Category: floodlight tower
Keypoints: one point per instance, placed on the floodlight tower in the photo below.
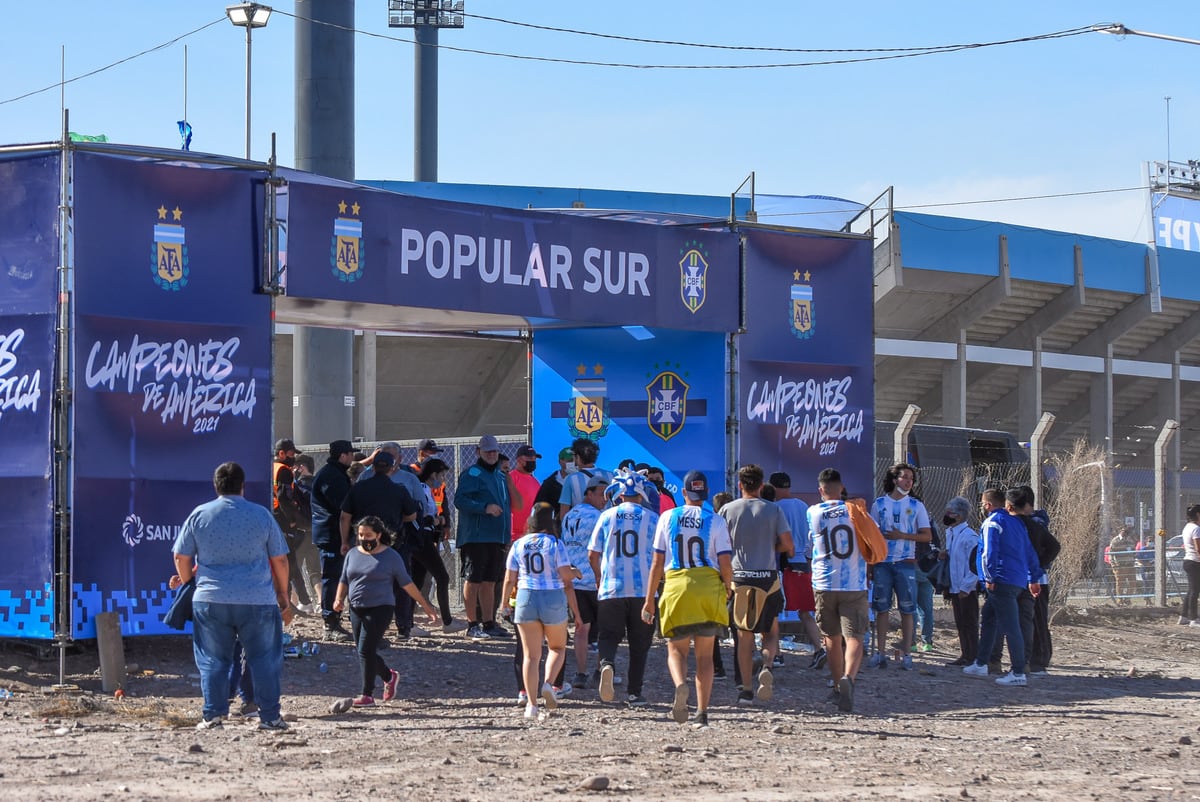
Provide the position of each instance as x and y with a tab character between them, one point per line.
426	18
248	16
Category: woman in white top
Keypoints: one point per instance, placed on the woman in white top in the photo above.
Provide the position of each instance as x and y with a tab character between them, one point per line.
541	573
1191	566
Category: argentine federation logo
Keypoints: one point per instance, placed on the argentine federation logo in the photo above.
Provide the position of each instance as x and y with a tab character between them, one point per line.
667	404
587	411
346	249
802	306
132	530
693	272
169	260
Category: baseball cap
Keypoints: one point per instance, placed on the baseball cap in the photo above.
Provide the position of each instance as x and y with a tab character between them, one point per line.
596	481
527	451
695	486
384	459
429	445
339	447
285	444
780	479
488	443
566	454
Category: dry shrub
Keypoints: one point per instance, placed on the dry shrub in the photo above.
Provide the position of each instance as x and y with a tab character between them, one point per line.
70	706
1076	517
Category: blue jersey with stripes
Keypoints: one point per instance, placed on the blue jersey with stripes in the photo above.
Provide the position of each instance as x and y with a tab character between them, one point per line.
837	562
691	537
577	530
623	536
906	515
536	558
575	485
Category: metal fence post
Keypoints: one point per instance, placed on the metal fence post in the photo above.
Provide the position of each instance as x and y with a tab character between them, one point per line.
1036	441
1160	499
900	443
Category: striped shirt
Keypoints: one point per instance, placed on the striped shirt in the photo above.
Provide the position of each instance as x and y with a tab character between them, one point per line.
574	486
623	537
577	530
536	558
837	563
906	515
691	537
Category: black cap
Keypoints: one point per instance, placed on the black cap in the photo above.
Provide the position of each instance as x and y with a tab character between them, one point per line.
527	451
339	447
429	445
695	486
284	444
383	459
780	479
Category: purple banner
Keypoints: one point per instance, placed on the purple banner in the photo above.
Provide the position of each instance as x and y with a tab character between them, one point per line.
29	256
806	361
172	370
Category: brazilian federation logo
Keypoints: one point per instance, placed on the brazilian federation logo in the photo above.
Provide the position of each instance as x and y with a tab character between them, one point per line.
346	249
667	407
802	306
587	411
169	257
693	272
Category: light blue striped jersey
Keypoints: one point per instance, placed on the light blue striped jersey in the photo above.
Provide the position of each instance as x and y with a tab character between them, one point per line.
837	562
691	537
536	558
623	536
577	530
907	515
575	485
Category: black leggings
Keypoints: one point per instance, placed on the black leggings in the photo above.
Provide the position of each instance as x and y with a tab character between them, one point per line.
368	625
427	561
1192	569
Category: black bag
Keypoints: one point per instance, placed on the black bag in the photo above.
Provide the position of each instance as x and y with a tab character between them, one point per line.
939	576
180	611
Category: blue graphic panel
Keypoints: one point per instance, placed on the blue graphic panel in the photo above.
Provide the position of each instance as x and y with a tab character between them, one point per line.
651	395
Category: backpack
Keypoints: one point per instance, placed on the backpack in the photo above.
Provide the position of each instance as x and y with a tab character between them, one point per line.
870	540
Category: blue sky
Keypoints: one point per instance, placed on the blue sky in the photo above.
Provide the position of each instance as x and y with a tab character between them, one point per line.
1071	115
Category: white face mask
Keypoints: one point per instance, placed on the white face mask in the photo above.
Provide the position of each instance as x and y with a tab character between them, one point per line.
901	491
570	469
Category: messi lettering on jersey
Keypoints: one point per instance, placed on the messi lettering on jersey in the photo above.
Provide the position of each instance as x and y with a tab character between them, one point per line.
623	537
691	537
837	563
536	558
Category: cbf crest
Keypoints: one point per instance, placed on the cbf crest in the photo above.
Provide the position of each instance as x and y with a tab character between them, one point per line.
346	249
169	259
693	276
587	411
666	404
802	306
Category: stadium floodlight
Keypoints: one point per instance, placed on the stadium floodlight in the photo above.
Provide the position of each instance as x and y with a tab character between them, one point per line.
248	16
425	13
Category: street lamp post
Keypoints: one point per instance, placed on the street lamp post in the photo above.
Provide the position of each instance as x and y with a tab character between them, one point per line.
248	16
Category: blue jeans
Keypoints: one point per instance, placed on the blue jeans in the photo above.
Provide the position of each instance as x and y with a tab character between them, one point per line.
215	629
898	578
1001	616
240	682
925	605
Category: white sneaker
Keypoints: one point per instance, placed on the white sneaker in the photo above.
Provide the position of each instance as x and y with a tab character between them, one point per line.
548	697
1011	679
454	626
975	670
563	691
1195	623
307	609
606	683
531	712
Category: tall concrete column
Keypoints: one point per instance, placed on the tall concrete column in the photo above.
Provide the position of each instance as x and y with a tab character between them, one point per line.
1101	403
954	386
1029	390
322	359
1169	404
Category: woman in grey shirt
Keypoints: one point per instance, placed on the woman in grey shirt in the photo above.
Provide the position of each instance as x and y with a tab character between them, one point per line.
371	573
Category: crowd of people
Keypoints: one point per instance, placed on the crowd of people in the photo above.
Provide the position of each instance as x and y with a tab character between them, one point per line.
615	553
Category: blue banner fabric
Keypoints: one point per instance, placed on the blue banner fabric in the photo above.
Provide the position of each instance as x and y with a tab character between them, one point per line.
29	257
359	245
806	360
1176	222
651	395
172	370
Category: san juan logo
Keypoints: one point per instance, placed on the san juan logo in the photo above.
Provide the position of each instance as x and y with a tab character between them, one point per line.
346	249
587	411
802	306
169	260
666	408
693	272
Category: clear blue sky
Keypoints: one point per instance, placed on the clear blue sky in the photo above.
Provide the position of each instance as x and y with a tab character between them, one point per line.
1069	115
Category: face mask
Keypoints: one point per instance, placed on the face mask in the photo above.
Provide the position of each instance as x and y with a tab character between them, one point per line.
949	520
901	491
530	466
368	545
288	461
570	469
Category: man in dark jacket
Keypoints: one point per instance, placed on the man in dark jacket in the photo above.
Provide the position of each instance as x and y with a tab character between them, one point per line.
330	485
1038	648
484	523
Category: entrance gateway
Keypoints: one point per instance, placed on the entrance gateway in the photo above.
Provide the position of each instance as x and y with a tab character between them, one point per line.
135	344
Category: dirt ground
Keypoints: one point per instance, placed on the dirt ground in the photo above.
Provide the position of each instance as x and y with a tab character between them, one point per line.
1119	718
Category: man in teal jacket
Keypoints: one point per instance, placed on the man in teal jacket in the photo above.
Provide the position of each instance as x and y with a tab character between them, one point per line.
481	498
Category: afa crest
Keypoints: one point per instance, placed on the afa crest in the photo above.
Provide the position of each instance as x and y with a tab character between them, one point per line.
666	409
801	319
693	277
169	257
346	249
587	411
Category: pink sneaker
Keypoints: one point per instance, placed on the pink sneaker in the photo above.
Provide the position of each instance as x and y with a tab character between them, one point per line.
389	687
363	701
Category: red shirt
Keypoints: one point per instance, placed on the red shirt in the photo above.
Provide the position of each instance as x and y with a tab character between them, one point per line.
526	486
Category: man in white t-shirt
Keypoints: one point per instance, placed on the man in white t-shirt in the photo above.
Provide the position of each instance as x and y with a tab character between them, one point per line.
904	522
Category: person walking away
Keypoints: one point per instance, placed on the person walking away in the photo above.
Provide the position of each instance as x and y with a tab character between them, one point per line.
577	530
1191	567
431	531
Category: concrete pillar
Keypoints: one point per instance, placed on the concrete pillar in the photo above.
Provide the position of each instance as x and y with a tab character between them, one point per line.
954	386
1169	408
1100	431
1029	391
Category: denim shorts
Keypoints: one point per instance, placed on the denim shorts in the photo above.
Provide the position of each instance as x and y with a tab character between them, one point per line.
898	578
546	606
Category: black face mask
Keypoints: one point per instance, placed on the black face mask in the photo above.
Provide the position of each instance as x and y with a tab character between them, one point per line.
949	520
530	466
368	545
288	461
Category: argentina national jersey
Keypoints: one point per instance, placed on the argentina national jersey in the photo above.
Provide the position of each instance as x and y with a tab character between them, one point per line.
575	485
906	515
536	558
623	536
577	530
837	562
691	537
